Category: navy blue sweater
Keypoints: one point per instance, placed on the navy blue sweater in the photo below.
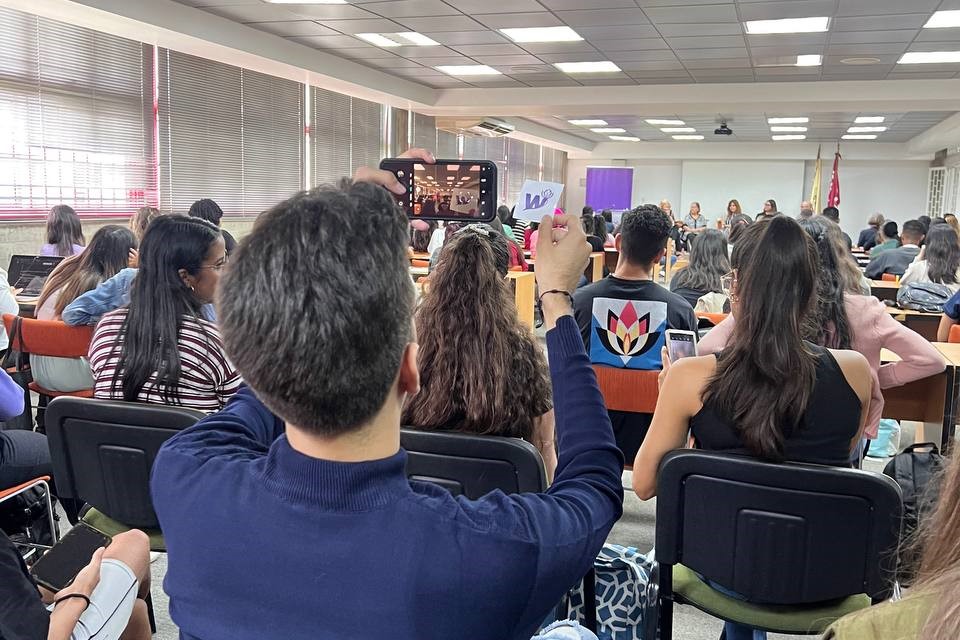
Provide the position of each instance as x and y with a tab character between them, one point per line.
265	542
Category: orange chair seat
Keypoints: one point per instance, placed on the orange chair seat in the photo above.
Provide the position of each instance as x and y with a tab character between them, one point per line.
954	333
12	490
628	389
419	263
888	277
715	318
82	393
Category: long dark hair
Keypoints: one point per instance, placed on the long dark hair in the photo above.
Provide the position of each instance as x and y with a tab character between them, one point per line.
775	264
942	253
738	224
708	263
420	240
64	229
831	327
481	370
107	254
159	300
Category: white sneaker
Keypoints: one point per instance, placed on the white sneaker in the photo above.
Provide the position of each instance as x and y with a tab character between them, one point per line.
153	556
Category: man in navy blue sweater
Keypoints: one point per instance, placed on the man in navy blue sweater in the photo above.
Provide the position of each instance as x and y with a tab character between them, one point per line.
289	515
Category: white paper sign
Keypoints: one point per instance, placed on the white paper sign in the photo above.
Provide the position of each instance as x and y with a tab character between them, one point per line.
537	199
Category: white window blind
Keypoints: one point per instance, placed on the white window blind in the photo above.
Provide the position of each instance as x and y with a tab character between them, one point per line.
226	133
515	169
424	132
447	146
531	161
346	133
75	124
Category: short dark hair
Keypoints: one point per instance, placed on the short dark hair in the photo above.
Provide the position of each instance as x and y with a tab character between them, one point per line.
890	230
914	230
644	232
587	211
925	221
832	213
206	209
608	215
316	306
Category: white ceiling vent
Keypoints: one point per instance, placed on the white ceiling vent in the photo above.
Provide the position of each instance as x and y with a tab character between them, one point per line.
486	127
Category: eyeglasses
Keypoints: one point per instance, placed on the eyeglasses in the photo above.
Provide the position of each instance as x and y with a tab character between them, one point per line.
727	281
218	266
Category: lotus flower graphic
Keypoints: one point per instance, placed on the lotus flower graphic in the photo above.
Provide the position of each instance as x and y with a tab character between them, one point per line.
627	335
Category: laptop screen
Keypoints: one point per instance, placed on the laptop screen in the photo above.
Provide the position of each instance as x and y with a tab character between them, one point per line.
30	272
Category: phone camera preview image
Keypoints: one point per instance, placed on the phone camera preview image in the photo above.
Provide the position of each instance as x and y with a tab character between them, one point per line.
448	190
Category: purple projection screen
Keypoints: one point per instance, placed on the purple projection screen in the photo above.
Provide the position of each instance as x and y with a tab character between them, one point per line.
609	187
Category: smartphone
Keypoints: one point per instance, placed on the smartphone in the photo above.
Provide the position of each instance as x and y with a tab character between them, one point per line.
447	190
59	566
681	344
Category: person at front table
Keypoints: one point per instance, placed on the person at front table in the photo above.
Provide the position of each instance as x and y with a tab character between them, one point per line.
896	261
736	401
938	261
313	450
694	220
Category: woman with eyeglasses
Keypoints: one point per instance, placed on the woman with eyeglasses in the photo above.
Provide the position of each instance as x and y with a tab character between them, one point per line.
481	369
159	348
770	393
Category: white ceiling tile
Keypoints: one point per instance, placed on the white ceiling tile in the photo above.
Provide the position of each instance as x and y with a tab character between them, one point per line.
361	53
603	17
517	70
621	57
706	42
377	25
787	71
857	37
604	82
558	82
293	28
393	64
705	29
444	61
677	3
624	32
786	9
922	75
445	23
572	57
416	52
837	61
537	48
651	65
880	23
493	61
865	50
495	81
929	46
489	49
940	35
471	7
657	73
640	44
568	5
410	8
515	20
329	42
261	13
329	11
787	40
457	38
684	15
880	7
719	63
700	54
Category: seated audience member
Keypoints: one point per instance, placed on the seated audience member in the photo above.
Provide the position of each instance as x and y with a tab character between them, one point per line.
736	401
938	261
889	239
708	264
897	260
421	234
8	304
494	386
141	220
926	221
833	215
623	317
159	349
950	317
846	319
207	209
320	455
505	220
769	210
607	216
735	230
107	255
528	234
105	600
596	237
951	220
868	237
600	230
929	610
64	233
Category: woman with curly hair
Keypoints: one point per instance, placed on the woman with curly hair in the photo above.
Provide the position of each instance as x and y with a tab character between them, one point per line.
481	369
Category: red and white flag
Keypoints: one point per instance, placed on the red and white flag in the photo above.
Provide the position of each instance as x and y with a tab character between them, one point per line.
833	198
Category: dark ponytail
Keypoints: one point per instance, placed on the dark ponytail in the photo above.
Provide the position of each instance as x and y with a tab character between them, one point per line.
830	327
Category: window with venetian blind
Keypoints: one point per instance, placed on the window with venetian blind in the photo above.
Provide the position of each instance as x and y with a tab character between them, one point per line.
345	133
75	124
227	133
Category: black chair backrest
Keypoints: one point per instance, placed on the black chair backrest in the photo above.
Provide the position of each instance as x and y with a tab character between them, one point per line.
103	451
778	533
471	465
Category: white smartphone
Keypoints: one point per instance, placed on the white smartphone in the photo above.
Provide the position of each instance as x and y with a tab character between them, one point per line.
681	344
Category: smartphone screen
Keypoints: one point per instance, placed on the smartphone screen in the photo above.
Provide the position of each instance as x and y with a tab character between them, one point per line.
681	344
59	566
447	190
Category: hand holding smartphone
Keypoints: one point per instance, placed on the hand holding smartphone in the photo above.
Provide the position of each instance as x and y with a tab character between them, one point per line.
447	190
59	567
681	344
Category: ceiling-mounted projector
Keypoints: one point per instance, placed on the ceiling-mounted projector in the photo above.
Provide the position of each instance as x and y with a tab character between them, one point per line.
724	130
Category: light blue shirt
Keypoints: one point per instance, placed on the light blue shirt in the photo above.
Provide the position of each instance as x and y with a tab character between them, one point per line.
111	294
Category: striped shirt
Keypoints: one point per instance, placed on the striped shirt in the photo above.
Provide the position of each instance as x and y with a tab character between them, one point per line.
207	378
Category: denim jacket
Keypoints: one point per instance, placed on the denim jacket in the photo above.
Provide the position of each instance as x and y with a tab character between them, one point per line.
111	294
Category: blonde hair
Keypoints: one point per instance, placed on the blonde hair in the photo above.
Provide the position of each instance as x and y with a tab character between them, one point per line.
141	219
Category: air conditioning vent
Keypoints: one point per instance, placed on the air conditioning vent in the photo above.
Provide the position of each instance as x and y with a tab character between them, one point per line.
486	127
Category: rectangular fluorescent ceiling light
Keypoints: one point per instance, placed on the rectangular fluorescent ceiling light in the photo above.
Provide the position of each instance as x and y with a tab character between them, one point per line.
609	130
790	137
788	120
788	129
542	34
866	129
688	137
787	25
306	1
377	39
809	60
468	70
869	119
678	130
604	66
943	20
418	39
859	137
625	138
588	123
666	123
929	57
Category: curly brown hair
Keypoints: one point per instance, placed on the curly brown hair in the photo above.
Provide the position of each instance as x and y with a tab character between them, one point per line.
481	370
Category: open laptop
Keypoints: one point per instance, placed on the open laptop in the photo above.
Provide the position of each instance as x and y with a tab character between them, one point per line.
30	272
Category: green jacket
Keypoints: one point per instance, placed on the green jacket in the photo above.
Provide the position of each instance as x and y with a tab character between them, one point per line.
900	620
883	246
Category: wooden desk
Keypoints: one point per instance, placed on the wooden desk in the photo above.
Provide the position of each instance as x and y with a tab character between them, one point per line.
28	305
419	271
524	294
594	270
883	290
420	255
932	399
924	323
611	257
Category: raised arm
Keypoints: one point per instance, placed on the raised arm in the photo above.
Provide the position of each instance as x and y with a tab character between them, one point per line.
717	338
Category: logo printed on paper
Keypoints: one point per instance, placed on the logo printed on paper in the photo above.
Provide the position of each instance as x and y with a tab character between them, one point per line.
534	201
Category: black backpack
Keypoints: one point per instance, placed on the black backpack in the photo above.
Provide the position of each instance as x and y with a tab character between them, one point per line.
918	472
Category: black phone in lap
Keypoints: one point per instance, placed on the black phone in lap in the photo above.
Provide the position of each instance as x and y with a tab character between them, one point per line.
61	564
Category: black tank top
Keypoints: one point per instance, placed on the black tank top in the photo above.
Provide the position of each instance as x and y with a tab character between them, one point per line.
826	429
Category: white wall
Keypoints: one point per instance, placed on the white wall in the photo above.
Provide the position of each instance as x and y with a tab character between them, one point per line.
713	183
896	188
